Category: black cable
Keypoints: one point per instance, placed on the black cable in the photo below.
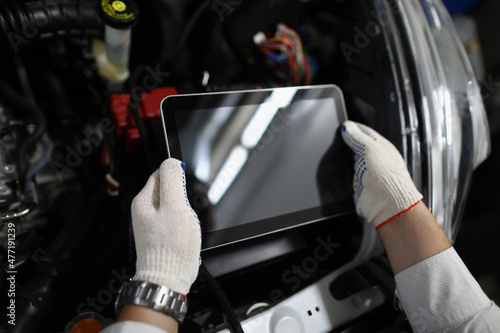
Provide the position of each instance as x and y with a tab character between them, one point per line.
135	100
29	186
73	18
143	134
30	194
165	10
32	111
50	85
189	28
222	299
23	78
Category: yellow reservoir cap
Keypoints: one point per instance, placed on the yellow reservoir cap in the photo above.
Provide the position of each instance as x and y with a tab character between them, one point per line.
119	14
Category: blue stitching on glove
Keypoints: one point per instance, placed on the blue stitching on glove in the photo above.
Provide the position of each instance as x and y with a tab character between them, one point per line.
185	191
183	165
359	150
368	132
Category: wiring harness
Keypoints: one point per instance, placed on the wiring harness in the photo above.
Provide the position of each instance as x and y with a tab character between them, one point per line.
284	53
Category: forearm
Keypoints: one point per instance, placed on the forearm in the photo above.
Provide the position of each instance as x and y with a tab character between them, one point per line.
412	237
437	291
149	316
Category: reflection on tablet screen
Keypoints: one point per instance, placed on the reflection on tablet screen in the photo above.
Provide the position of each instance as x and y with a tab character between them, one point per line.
259	168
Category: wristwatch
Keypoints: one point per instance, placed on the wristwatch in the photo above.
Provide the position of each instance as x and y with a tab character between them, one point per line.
152	296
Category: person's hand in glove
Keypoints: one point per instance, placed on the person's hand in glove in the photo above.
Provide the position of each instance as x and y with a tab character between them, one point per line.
435	288
166	230
386	197
167	237
383	188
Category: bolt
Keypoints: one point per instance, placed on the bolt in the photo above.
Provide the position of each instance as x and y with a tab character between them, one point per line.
9	169
31	128
5	191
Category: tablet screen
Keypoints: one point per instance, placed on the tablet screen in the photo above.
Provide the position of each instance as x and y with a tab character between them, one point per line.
261	161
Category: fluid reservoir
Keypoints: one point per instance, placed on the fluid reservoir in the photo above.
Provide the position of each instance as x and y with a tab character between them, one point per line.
119	16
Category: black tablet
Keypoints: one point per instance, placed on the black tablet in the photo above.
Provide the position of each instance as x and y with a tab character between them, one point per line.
261	161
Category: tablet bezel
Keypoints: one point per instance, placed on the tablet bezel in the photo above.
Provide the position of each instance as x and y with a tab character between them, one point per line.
172	104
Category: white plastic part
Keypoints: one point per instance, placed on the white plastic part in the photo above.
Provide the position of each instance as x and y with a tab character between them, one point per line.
259	37
314	310
105	68
117	45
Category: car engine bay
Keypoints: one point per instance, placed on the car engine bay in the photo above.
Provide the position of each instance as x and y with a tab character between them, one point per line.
78	140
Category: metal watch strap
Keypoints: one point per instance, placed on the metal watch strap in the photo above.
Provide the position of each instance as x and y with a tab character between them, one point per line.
153	296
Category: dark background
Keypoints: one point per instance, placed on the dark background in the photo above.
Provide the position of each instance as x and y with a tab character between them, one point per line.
478	241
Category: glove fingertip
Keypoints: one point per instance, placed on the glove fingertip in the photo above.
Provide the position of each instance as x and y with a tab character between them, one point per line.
352	135
171	166
346	124
173	184
368	131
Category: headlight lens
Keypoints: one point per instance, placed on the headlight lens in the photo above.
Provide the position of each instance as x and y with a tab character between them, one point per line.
451	117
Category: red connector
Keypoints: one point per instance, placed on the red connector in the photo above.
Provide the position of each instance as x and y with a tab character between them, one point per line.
149	110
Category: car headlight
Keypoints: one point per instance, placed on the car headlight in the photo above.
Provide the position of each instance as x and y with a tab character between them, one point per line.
445	128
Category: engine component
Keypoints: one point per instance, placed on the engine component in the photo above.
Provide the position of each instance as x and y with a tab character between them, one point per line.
119	17
148	110
23	22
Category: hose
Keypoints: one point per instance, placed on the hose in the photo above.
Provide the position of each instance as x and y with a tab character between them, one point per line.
28	104
222	299
135	101
36	116
188	29
44	288
30	196
22	23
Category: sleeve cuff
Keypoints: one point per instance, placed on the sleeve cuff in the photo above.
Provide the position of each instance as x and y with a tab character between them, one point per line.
439	293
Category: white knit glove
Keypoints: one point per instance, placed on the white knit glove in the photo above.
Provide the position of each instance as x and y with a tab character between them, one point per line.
166	230
383	188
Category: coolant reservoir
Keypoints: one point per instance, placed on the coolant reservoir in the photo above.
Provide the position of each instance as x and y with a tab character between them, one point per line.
119	16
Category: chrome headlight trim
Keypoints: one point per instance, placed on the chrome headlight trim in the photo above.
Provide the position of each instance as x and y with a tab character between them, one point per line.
454	133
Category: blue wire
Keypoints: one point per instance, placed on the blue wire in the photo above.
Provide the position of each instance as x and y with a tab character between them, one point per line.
276	57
